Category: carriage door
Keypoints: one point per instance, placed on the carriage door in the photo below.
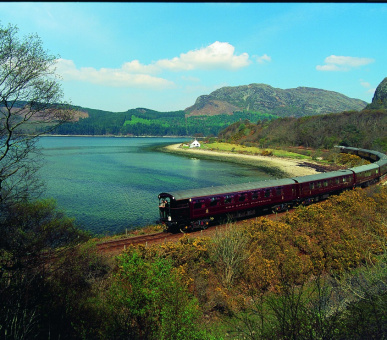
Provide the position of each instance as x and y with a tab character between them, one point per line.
164	207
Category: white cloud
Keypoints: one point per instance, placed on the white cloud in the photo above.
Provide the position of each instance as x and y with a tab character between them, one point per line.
329	67
348	61
219	55
263	59
133	74
365	84
127	76
342	63
135	67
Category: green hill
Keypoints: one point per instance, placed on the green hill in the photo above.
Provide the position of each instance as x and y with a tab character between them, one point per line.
365	129
297	102
144	122
212	113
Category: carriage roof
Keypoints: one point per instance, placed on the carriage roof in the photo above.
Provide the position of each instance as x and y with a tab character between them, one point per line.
226	189
322	176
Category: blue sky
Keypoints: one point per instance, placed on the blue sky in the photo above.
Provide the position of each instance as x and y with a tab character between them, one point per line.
162	56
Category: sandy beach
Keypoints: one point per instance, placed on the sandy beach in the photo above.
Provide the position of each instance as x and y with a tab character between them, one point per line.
288	166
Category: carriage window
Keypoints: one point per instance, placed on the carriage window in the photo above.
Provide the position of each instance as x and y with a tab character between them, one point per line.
337	180
318	184
228	199
311	186
214	201
242	197
267	193
325	183
255	195
199	204
278	191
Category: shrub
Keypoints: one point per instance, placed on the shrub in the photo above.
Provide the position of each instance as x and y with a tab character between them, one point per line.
149	299
267	153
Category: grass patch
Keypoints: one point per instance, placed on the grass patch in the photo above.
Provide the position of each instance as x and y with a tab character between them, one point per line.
252	150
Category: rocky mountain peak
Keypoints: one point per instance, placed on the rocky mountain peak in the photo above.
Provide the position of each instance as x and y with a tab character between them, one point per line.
379	101
300	101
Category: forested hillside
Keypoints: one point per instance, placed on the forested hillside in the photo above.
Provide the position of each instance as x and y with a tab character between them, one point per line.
212	113
144	122
366	129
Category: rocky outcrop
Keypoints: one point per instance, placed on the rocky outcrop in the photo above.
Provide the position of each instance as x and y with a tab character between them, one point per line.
300	101
379	101
211	107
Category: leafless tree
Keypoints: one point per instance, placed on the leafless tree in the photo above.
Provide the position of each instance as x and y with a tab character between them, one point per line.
30	105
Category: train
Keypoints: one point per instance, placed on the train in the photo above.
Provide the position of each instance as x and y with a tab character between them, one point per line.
192	209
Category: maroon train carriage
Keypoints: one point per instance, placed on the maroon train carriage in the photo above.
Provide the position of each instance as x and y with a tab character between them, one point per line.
197	208
382	163
370	155
382	168
314	188
380	155
366	175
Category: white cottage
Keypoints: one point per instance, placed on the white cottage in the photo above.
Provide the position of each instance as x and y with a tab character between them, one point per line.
195	144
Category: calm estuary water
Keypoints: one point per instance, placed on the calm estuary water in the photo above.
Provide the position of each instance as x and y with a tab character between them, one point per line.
109	184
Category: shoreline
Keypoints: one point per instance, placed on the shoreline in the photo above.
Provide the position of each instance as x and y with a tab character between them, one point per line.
276	166
110	136
286	167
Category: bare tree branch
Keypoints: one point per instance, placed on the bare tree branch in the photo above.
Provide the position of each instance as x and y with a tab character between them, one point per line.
30	105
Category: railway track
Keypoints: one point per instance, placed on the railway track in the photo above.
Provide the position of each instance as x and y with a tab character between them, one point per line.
120	245
117	246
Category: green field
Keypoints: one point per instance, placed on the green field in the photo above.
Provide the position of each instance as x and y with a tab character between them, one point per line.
252	150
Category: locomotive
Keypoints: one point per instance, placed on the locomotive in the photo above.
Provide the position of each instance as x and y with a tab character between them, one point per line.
187	210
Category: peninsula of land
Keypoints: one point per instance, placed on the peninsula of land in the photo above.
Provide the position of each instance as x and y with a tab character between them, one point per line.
283	167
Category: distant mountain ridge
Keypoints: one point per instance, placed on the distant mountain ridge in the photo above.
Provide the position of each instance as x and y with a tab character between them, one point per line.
214	112
297	102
